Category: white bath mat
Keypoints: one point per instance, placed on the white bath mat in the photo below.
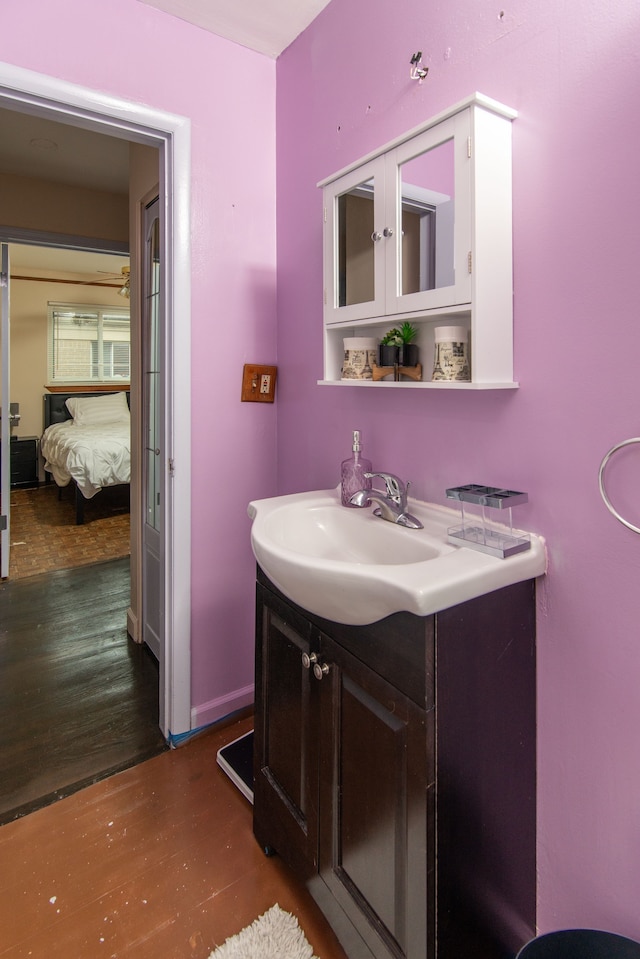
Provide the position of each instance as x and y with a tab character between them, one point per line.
275	935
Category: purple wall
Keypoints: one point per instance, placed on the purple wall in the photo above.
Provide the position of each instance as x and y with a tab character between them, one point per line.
229	94
571	70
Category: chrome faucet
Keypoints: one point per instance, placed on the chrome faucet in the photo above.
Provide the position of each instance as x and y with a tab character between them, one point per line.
392	503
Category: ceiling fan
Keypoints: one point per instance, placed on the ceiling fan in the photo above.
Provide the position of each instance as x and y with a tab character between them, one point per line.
102	278
123	277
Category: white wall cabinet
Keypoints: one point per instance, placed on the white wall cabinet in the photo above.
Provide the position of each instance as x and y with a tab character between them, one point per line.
421	230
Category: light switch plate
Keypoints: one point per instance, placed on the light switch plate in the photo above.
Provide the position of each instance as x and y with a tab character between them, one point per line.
258	383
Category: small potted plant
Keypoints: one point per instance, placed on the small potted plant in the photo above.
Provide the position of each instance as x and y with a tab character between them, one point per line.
389	347
397	346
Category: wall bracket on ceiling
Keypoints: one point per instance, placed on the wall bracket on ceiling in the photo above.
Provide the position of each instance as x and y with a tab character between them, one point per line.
417	72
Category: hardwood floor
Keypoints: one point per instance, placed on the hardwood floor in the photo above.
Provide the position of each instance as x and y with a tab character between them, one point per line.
156	862
78	699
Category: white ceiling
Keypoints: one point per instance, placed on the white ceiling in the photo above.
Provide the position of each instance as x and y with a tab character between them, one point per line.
268	26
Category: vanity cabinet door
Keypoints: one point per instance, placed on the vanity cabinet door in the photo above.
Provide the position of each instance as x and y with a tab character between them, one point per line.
285	759
377	799
345	772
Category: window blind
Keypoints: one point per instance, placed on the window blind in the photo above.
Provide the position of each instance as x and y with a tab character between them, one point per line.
88	344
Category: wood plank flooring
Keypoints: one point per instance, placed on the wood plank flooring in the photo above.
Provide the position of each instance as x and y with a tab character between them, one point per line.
78	699
156	862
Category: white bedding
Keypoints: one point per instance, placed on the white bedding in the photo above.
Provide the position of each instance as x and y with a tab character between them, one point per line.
93	456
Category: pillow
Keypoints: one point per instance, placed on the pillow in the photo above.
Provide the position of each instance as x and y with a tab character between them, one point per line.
98	410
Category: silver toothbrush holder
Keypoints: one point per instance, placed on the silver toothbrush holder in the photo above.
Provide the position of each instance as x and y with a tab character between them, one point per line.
484	510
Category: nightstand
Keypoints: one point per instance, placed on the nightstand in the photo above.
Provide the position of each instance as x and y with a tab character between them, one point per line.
24	460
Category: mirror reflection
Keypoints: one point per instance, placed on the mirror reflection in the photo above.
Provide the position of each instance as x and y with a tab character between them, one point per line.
427	199
355	246
425	204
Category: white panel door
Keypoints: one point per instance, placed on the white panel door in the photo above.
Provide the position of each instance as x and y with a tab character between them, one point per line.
152	482
5	422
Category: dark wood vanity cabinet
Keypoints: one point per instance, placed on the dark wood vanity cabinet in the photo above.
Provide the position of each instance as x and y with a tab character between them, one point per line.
376	780
286	730
394	771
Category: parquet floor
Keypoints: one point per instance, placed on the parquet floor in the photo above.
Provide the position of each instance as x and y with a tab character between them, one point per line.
44	536
157	862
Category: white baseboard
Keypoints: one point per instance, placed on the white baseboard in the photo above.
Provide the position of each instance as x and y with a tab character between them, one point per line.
216	709
132	625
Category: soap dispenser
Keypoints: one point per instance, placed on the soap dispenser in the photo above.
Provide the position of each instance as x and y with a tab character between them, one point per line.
352	472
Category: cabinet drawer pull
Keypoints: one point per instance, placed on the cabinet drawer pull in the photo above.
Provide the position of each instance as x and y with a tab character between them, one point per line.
320	670
308	659
387	231
376	236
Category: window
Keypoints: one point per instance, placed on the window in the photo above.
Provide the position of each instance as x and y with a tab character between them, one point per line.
88	344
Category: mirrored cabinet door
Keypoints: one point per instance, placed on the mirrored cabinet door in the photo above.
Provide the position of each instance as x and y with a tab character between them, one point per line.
398	229
354	277
429	208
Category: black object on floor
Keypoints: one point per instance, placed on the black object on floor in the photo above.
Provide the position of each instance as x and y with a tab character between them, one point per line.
580	944
236	760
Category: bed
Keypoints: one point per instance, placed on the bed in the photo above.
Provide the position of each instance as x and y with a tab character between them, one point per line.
87	441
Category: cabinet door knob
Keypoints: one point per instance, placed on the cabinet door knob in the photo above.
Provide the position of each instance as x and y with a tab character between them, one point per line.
387	231
376	236
320	670
308	659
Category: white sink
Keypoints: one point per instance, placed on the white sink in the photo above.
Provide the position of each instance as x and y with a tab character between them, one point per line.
352	567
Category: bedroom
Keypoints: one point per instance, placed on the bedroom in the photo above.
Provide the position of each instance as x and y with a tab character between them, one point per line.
61	185
58	294
66	188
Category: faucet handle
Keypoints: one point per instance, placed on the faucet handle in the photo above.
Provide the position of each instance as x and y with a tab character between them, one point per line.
396	490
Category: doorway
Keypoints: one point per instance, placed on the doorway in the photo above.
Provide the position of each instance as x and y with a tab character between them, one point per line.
51	98
43	280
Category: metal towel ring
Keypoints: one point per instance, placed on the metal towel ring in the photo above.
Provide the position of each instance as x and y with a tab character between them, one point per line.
603	491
